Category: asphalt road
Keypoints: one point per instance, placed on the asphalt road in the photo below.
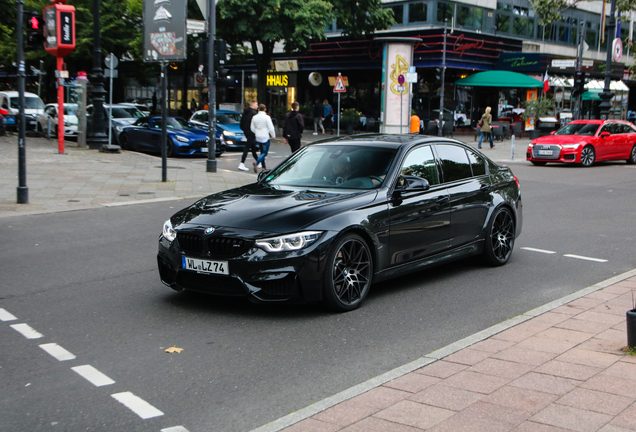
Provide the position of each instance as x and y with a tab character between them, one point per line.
87	281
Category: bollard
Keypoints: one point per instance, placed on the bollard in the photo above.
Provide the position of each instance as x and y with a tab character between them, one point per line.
631	328
512	147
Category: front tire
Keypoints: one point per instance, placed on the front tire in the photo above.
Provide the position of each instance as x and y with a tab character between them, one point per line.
632	156
349	274
588	156
500	239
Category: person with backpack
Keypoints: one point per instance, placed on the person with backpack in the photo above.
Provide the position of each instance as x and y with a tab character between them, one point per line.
293	127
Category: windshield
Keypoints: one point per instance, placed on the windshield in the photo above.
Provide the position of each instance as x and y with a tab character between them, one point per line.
228	118
172	123
125	112
29	103
350	167
578	129
70	109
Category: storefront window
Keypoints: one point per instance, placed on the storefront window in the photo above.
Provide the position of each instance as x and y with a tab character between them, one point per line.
418	12
444	12
398	13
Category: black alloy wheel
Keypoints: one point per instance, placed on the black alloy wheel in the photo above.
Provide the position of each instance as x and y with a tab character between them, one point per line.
349	273
169	148
632	156
501	238
588	156
538	163
124	143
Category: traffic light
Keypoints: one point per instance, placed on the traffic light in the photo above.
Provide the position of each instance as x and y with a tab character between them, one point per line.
34	31
579	84
204	54
220	57
438	74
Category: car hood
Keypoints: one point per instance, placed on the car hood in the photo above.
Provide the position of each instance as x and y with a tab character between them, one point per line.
123	121
562	139
231	128
193	134
269	210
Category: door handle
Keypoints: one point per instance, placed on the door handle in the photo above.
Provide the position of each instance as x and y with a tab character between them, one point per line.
484	187
442	199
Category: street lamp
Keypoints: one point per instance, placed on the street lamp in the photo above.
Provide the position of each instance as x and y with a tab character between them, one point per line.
607	95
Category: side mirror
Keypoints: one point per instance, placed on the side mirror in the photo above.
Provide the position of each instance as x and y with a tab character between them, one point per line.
412	183
262	175
605	134
552	133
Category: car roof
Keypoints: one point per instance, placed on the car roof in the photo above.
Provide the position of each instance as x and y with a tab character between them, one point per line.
13	93
386	140
597	121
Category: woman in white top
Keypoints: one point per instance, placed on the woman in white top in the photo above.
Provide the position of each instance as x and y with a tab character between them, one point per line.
263	128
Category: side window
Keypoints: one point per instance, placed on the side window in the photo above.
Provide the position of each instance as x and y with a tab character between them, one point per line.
455	164
606	128
477	164
421	163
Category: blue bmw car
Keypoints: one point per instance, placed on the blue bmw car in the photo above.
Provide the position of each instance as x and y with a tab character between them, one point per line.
183	138
228	127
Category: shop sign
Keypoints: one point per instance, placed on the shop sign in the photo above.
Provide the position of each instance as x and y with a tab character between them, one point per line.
164	30
333	79
286	65
461	45
520	62
280	80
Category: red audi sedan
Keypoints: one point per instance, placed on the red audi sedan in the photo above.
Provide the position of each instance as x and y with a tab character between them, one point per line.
585	142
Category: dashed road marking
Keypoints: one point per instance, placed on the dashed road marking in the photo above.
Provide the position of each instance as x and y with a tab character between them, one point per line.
538	250
585	258
57	351
6	316
27	331
137	405
94	376
175	429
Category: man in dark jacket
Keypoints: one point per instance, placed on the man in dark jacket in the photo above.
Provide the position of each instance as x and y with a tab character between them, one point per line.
246	122
319	116
293	127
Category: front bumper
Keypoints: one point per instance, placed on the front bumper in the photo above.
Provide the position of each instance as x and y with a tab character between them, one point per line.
553	153
259	276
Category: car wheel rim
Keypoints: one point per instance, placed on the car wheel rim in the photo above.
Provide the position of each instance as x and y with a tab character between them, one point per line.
633	154
351	273
502	236
587	156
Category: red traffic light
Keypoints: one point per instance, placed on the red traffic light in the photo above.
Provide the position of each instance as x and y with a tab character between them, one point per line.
35	23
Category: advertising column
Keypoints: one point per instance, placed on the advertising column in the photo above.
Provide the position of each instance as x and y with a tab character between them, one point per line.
396	92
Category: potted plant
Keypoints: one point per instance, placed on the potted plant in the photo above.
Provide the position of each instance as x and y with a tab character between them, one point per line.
350	118
535	109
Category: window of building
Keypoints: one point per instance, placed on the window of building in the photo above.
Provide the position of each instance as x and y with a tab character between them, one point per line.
523	26
465	16
502	23
398	13
504	6
444	12
418	12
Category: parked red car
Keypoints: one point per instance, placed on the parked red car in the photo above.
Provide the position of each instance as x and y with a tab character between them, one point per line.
585	142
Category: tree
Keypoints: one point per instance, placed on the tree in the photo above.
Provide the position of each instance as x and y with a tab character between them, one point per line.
263	23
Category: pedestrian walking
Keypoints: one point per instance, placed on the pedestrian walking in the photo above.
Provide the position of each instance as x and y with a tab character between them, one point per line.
328	114
319	116
293	127
246	127
263	129
486	127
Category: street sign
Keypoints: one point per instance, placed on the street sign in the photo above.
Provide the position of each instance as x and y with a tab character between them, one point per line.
400	88
111	73
617	49
111	61
411	77
564	63
339	87
196	26
165	35
401	79
411	69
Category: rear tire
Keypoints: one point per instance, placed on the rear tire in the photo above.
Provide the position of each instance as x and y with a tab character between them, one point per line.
348	274
170	148
538	163
632	156
588	156
500	239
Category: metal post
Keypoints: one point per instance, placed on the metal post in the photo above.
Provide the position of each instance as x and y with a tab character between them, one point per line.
40	77
164	115
23	191
110	99
338	113
60	105
512	147
607	95
441	93
579	61
211	162
97	137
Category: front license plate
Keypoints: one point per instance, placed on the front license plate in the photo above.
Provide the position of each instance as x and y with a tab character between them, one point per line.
204	266
204	149
243	139
545	152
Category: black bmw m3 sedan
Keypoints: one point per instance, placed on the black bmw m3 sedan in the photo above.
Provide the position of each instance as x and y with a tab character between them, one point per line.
341	214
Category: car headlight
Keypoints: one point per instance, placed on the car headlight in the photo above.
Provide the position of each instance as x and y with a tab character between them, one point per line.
182	139
530	145
572	146
119	128
289	242
168	232
228	133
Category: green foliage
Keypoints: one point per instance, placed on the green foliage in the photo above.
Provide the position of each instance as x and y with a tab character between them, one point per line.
350	116
361	18
537	108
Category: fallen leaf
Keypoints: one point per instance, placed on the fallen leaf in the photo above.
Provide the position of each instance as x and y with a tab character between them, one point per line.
174	349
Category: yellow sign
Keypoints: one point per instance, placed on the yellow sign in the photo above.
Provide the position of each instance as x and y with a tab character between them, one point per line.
332	81
277	80
399	68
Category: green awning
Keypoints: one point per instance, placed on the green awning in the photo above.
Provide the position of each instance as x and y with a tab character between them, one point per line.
592	95
499	79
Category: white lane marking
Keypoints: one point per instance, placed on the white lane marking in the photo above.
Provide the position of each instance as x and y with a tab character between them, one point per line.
91	374
137	405
27	331
175	429
6	316
57	351
538	250
585	258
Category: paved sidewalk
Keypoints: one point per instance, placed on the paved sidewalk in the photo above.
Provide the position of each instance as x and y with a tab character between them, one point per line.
561	367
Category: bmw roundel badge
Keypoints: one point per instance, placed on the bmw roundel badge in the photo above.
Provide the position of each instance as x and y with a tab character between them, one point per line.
209	230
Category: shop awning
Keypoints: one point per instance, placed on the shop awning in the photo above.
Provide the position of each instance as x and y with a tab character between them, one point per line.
591	95
499	79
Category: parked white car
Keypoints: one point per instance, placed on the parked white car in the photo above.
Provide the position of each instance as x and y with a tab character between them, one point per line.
33	106
48	118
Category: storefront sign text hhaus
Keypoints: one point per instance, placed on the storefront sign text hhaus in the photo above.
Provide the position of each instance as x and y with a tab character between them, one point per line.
280	79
